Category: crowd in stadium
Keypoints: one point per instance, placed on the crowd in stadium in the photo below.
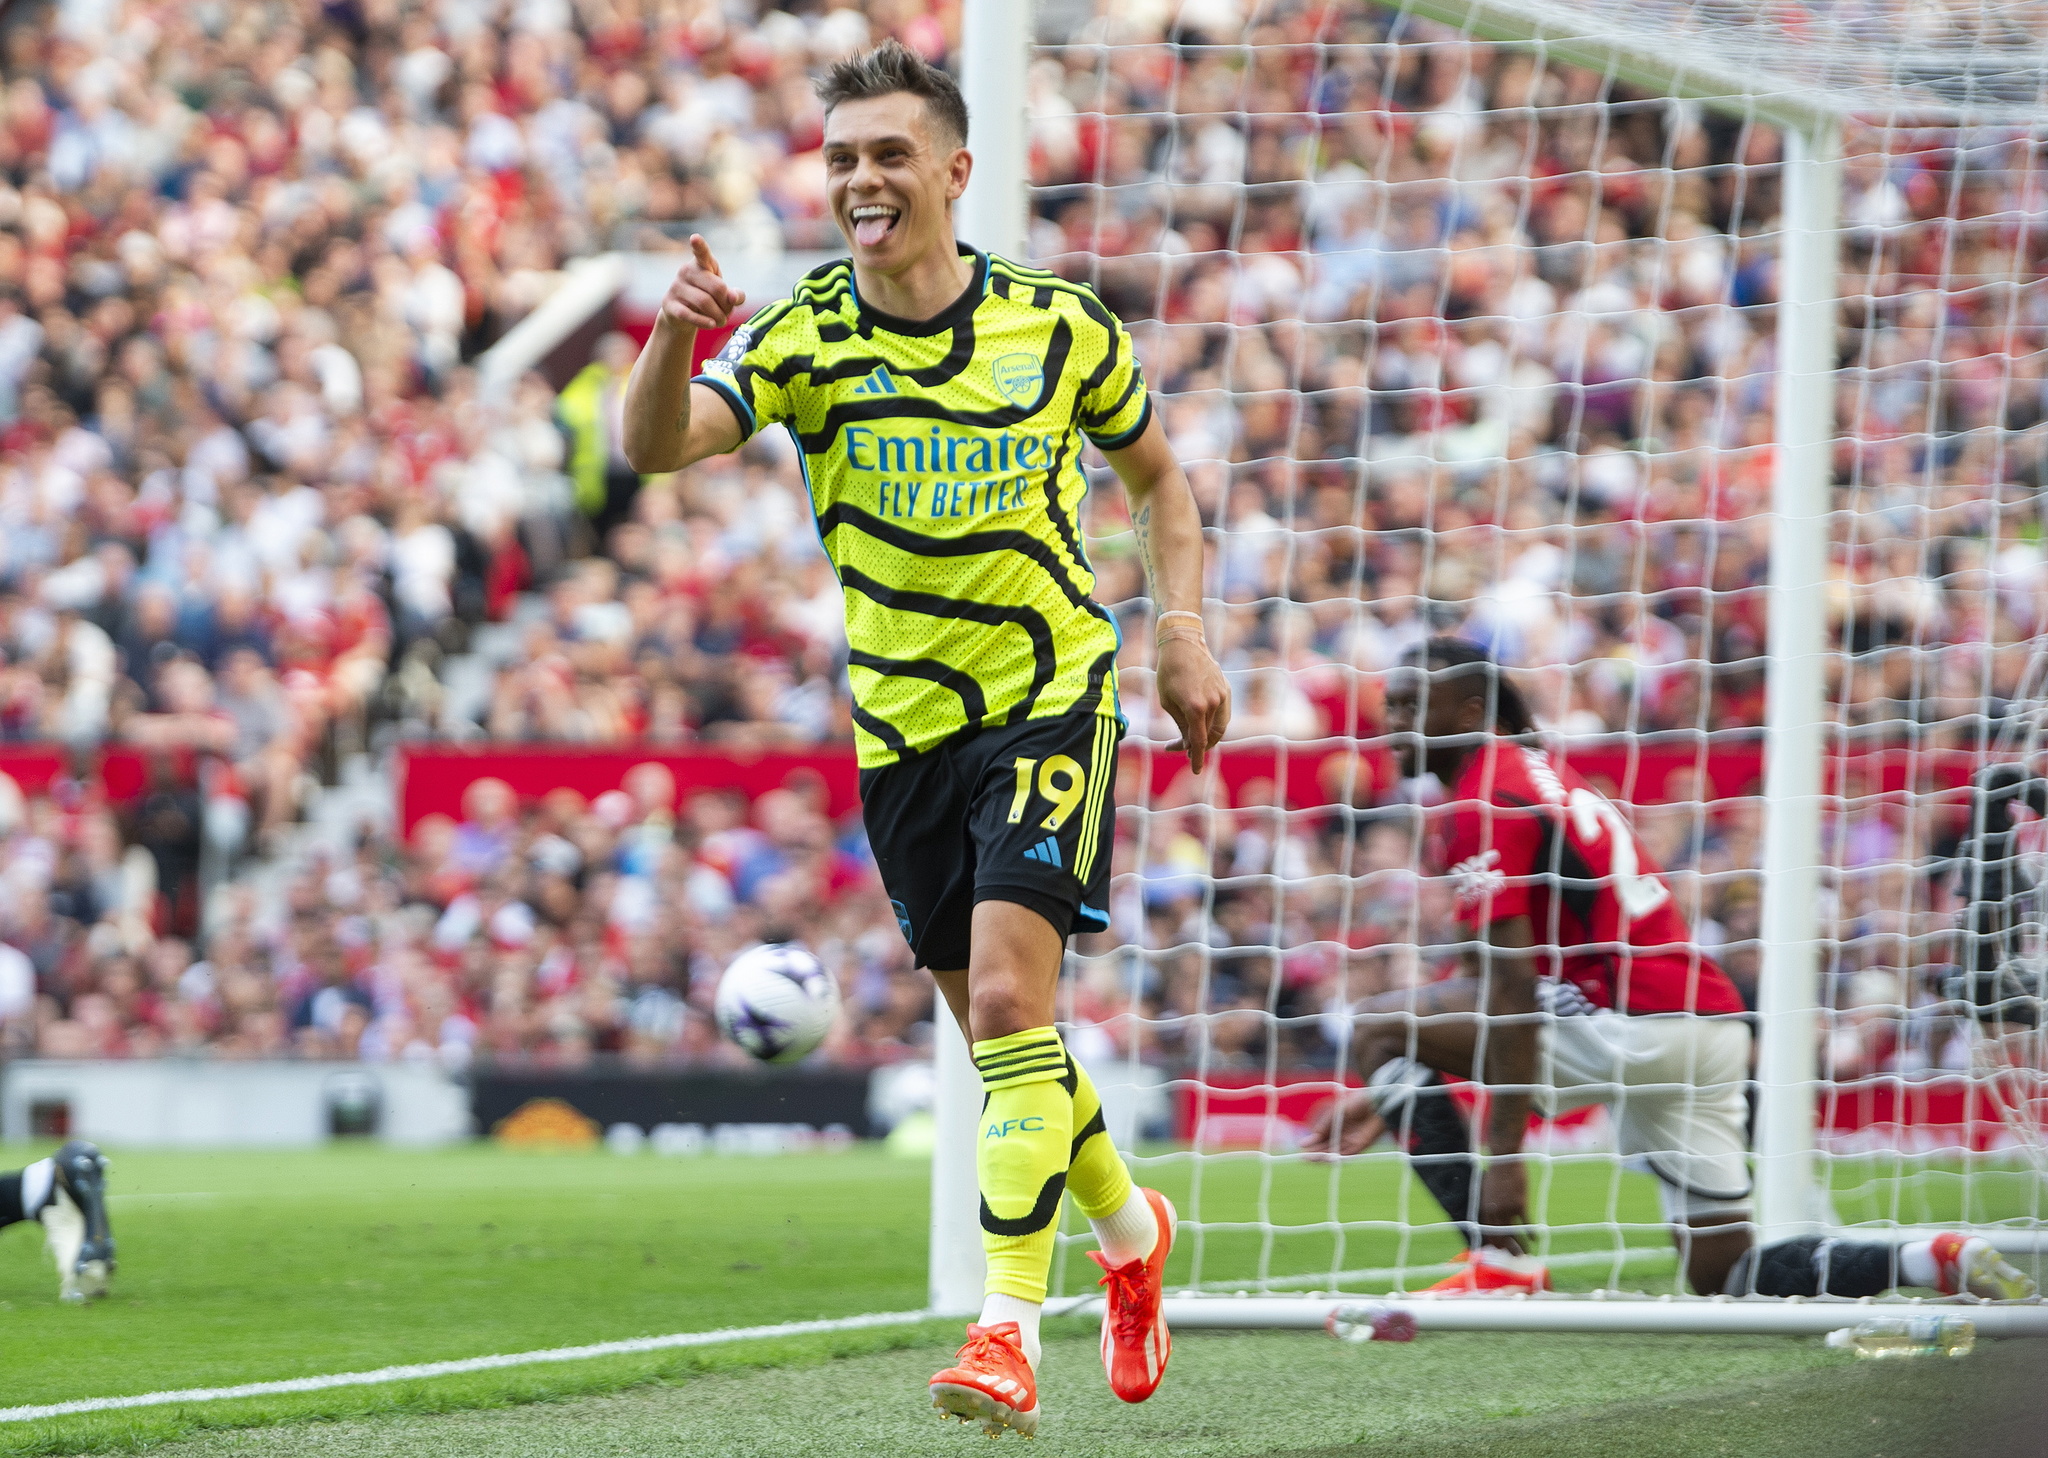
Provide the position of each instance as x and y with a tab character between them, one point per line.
1433	359
561	929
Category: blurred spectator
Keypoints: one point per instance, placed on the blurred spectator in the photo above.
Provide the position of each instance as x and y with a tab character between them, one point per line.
592	409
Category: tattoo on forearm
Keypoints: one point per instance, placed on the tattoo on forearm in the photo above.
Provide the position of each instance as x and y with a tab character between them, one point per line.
1141	522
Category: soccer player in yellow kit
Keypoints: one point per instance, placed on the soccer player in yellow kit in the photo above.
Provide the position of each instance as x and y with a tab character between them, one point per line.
940	398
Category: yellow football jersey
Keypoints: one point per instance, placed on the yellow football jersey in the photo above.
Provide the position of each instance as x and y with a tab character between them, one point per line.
943	459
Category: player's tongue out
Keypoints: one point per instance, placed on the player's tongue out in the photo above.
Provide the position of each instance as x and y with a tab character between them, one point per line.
872	226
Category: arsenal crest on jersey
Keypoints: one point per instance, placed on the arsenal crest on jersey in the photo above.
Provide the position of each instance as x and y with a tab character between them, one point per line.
1019	377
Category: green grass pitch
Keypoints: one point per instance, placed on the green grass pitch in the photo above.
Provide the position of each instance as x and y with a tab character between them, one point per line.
246	1267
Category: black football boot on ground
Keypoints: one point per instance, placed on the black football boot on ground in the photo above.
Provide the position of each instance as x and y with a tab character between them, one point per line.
75	1222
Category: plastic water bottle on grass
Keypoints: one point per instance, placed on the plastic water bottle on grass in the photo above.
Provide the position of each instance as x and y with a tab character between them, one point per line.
1375	1323
1908	1336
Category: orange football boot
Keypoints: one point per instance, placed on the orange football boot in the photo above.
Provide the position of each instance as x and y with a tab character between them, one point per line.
990	1382
1135	1341
1490	1272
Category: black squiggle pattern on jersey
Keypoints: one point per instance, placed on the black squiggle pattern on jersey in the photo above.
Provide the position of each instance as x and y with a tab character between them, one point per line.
967	544
882	729
899	407
956	360
931	670
1045	658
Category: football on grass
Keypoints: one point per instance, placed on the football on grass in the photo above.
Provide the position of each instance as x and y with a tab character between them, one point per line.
777	1002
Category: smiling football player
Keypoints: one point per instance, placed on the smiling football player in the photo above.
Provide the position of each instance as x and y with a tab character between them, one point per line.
941	398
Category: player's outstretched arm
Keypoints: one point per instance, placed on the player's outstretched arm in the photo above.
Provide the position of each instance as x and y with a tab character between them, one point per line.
1506	971
671	423
1190	685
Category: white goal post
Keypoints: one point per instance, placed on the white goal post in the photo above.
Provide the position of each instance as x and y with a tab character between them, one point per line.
1804	85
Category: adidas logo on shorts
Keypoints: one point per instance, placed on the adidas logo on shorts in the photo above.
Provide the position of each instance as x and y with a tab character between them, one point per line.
1048	851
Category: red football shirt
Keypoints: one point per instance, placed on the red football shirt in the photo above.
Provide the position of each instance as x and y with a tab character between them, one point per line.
1529	837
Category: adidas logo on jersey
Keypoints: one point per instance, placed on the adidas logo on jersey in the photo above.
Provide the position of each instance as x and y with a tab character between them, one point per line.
1047	851
877	383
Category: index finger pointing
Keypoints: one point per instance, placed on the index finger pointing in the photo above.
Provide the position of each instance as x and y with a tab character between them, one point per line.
705	259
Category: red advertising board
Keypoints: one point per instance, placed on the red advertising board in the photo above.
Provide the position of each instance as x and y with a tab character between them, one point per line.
31	766
433	778
123	773
1247	1111
1907	1116
1328	772
1922	1116
1301	776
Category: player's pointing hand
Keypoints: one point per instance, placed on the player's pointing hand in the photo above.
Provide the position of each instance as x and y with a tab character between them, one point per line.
700	298
1194	695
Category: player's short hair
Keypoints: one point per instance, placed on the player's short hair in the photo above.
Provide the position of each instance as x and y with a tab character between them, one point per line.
892	67
1471	667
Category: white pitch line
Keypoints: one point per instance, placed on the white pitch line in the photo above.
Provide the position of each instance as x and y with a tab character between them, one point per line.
460	1365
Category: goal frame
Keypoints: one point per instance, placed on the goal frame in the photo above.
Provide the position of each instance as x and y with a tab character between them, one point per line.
1790	1199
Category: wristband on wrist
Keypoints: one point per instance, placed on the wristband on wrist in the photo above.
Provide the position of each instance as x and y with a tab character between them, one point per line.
1191	628
1176	632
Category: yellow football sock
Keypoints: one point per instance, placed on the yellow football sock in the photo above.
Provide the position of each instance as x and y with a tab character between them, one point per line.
1097	1177
1027	1130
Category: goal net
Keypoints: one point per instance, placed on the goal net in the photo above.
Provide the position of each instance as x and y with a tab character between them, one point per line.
1455	334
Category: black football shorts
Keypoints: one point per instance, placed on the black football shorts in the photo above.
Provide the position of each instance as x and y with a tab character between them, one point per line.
1025	813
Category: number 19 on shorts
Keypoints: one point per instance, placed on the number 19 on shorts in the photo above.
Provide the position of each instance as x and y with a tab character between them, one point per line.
1059	779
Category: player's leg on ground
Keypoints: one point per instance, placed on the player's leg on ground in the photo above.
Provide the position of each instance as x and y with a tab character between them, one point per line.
1709	1245
1018	1157
1026	1138
1026	1134
1416	1105
1698	1135
1410	1041
1133	1225
1956	1264
67	1194
1713	1232
24	1192
1814	1265
1027	1126
1025	1141
1675	1088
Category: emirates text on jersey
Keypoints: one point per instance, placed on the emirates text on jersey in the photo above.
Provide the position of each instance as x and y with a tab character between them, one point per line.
942	453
